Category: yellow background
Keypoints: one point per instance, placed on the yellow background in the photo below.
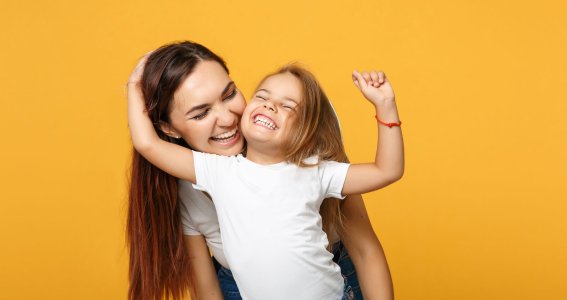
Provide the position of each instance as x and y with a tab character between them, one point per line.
481	86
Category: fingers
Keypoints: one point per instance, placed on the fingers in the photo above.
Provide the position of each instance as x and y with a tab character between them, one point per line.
374	78
381	77
142	61
367	77
359	80
136	74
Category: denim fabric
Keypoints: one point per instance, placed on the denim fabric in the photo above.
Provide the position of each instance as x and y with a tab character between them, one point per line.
352	287
347	292
348	271
227	283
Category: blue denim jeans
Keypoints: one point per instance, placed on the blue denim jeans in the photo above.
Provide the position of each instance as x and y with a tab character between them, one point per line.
348	271
352	287
227	283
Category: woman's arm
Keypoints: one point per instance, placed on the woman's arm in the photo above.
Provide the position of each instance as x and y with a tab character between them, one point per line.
204	281
365	250
388	163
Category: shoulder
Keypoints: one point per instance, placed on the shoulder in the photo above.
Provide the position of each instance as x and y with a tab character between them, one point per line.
322	164
327	167
188	194
213	157
312	160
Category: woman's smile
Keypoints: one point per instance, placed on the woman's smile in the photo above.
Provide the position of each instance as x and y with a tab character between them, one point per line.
228	138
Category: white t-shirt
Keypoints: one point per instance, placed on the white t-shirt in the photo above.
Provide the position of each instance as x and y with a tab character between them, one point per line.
199	217
271	226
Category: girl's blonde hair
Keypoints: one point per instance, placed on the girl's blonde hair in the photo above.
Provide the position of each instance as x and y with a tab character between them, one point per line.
315	132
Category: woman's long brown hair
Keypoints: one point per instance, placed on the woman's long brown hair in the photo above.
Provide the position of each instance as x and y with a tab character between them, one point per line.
159	262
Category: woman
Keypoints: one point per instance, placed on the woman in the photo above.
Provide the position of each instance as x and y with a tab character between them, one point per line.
199	107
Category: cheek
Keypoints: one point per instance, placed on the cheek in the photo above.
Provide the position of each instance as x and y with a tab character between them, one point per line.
247	109
198	133
238	106
290	124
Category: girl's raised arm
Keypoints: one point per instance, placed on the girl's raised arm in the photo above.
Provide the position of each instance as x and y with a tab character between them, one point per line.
171	158
389	162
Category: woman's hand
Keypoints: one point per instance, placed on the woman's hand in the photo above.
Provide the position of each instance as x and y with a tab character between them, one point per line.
374	86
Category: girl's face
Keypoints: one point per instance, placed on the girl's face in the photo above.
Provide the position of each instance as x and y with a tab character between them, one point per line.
267	119
206	111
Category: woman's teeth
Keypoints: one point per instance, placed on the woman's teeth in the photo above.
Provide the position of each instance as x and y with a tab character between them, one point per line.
263	121
225	136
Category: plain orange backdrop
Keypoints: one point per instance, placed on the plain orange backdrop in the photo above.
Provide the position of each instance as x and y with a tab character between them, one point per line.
479	214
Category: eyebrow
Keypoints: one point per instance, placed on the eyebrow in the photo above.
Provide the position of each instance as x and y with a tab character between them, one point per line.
201	106
285	98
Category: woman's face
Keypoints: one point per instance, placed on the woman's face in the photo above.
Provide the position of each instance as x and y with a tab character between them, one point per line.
206	111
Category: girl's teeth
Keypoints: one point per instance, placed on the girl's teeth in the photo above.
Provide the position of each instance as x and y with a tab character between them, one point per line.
264	122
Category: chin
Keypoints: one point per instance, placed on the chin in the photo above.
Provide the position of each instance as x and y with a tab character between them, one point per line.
228	151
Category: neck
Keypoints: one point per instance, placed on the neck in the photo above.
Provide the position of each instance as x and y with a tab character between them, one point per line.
263	157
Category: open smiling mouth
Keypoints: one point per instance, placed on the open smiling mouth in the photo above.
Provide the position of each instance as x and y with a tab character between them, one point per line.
264	121
226	137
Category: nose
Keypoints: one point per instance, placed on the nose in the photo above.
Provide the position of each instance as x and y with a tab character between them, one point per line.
225	117
269	105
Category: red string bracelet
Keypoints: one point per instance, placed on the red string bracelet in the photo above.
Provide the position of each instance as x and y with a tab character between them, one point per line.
390	125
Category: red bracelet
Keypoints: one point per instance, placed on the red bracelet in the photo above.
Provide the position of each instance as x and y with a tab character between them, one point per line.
390	125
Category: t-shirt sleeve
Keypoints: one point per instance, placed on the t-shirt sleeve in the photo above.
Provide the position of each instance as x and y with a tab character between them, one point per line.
205	168
188	225
183	196
333	175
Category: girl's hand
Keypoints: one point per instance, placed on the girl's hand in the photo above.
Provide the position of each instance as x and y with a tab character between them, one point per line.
136	74
374	86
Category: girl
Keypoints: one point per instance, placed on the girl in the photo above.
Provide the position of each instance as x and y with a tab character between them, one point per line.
279	108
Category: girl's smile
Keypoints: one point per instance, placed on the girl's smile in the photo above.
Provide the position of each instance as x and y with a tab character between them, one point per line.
265	121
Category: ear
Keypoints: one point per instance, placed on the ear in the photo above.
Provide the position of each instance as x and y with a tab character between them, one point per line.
168	130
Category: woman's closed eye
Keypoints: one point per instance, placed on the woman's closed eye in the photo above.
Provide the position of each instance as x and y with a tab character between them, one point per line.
205	112
201	115
231	95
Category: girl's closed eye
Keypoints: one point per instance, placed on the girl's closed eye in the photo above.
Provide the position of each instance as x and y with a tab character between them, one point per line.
288	107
